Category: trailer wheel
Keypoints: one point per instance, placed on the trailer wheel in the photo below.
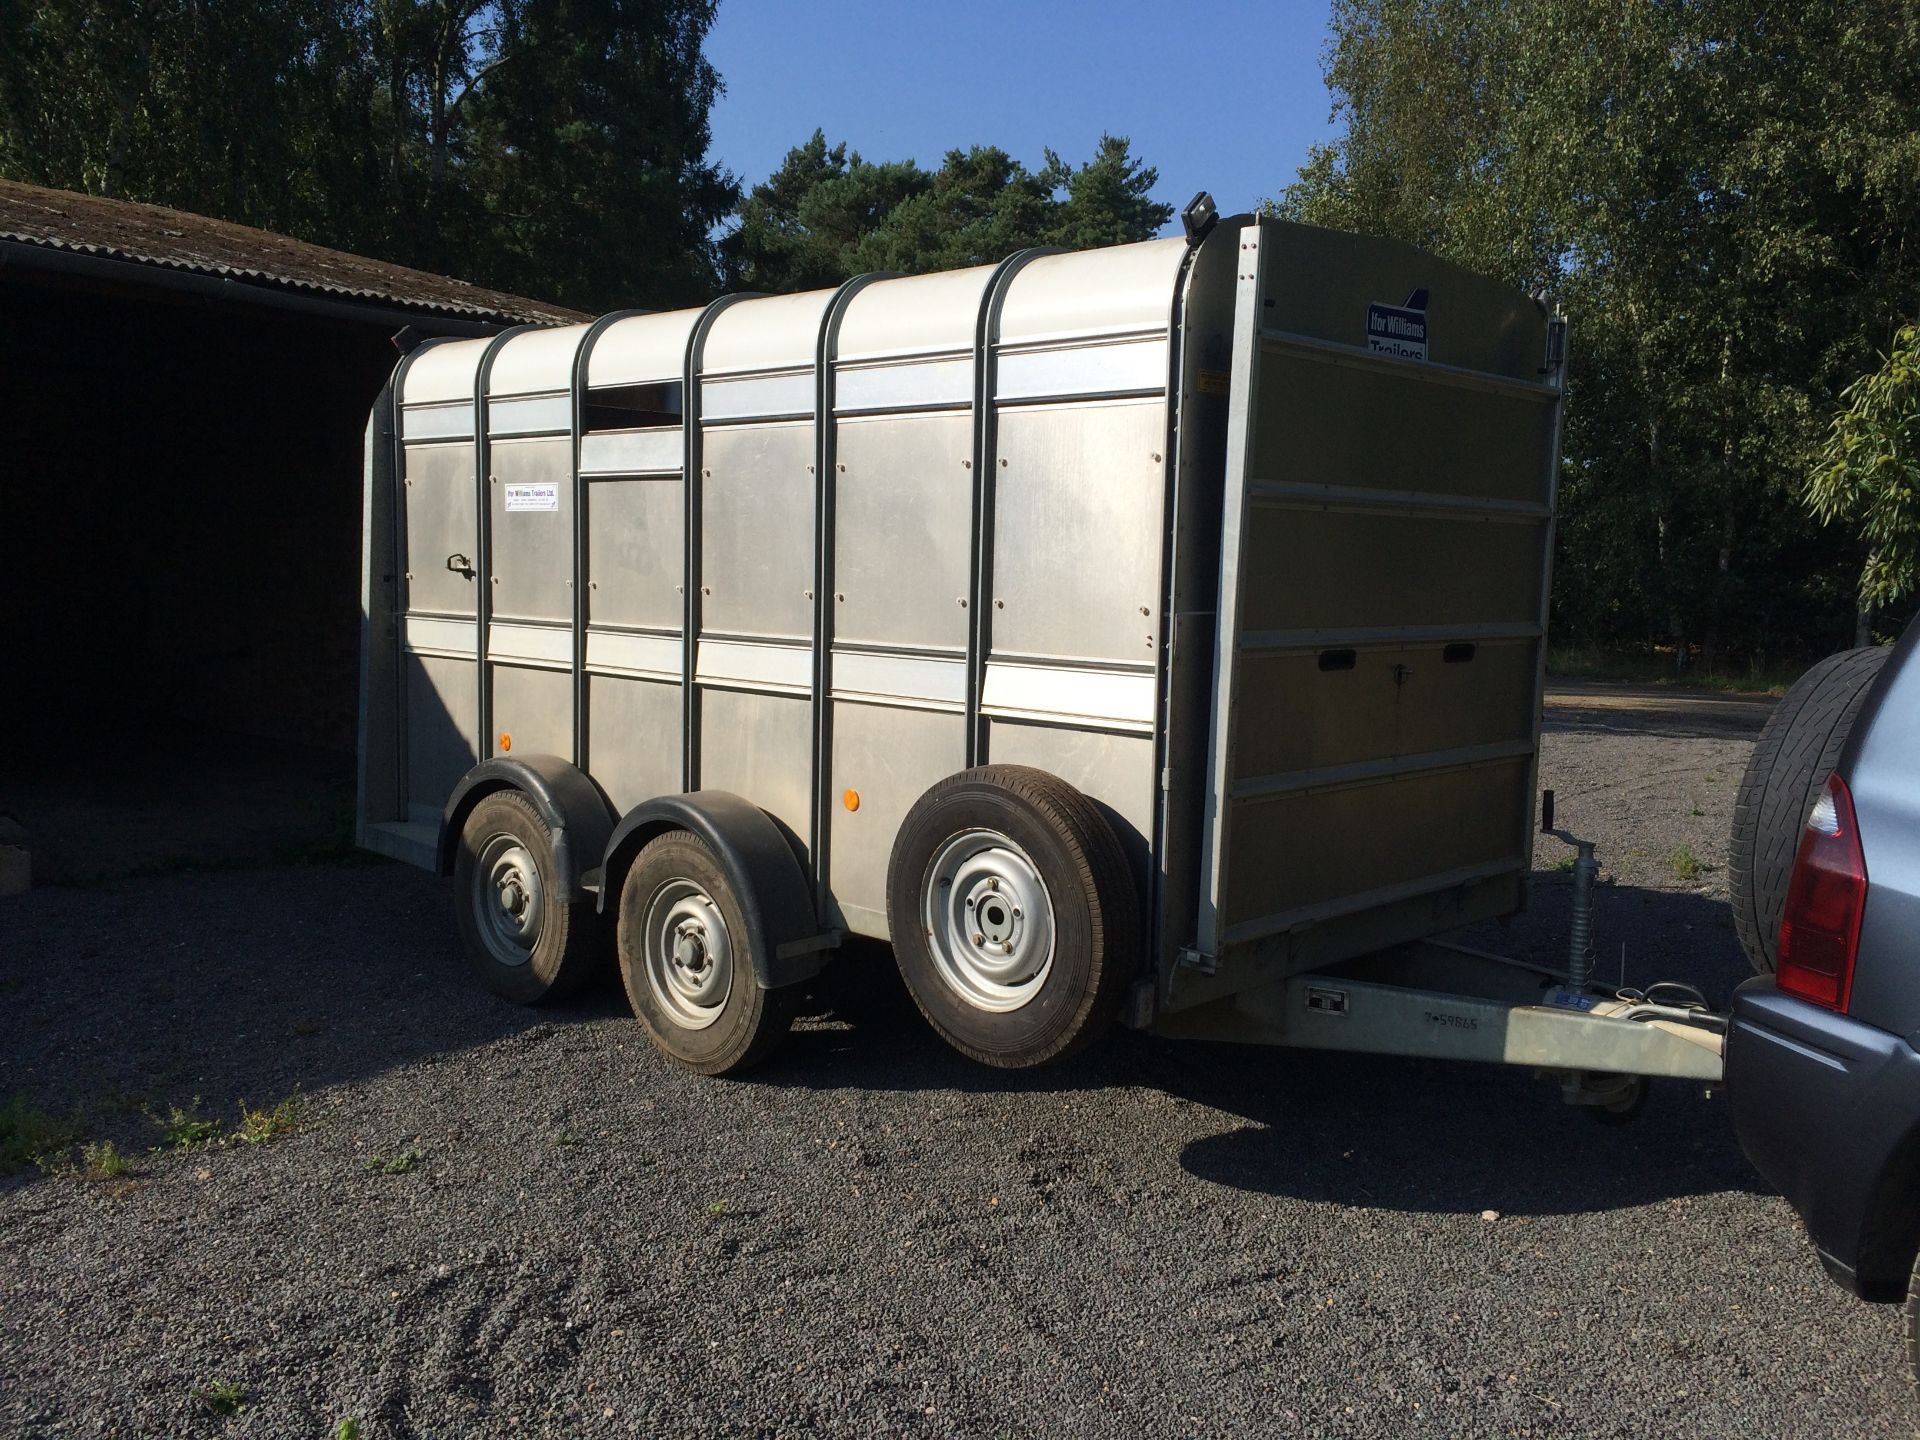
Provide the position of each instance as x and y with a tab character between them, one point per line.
684	961
1014	915
1797	750
522	941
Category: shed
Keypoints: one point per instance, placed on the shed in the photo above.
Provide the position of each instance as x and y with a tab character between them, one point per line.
184	404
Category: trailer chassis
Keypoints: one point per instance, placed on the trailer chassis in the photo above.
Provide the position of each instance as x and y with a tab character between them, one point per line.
1440	1000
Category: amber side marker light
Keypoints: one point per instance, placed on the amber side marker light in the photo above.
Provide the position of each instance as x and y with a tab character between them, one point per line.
506	741
851	799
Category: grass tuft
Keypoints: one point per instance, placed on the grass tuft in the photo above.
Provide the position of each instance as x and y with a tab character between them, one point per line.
103	1161
259	1126
1685	866
30	1136
348	1429
184	1129
397	1165
222	1397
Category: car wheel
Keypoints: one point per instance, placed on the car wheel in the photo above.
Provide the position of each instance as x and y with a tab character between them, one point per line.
1796	752
522	940
1014	915
686	963
1913	1324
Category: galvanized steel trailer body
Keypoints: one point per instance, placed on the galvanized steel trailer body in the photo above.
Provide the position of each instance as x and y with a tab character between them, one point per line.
1245	537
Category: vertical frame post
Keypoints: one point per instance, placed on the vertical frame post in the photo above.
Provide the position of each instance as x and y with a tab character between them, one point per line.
1555	367
483	541
1249	286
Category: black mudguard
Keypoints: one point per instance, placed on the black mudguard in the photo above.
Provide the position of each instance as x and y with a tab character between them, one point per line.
784	934
574	811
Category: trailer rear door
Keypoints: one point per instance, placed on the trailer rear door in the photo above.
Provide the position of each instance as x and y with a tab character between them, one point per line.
1391	453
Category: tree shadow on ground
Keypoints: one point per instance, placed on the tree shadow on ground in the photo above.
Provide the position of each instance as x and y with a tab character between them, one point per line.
1680	717
199	991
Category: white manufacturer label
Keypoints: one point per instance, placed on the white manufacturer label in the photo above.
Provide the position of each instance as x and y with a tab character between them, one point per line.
532	497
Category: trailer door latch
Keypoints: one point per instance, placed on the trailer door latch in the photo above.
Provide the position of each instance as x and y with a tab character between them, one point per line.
461	565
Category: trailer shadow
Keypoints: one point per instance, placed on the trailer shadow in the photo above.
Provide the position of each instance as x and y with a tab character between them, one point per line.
124	1001
1376	1131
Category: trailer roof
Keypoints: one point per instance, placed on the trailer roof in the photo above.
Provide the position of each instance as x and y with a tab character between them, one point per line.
152	235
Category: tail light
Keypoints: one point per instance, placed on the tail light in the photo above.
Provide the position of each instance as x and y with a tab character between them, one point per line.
1820	930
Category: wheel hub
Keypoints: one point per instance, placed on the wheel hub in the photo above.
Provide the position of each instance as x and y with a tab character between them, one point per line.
509	901
690	948
989	920
689	954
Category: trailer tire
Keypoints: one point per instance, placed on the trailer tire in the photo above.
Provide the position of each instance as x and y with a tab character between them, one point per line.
1014	914
682	942
1796	752
522	941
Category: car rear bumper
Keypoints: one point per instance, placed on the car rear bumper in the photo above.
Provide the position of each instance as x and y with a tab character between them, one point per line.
1828	1110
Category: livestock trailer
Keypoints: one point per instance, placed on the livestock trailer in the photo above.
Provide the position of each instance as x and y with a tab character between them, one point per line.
1151	633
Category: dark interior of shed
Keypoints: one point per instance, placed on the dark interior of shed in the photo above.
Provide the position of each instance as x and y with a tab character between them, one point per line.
179	559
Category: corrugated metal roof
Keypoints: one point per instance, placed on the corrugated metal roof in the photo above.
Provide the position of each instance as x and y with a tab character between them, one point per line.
178	240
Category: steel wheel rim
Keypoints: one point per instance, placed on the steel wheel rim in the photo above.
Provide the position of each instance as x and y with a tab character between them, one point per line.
988	920
689	954
508	900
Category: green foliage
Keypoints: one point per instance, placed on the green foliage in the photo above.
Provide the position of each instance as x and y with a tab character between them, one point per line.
1656	667
103	1161
1685	865
183	1129
557	147
257	1126
30	1136
1722	195
222	1397
348	1429
1869	471
827	213
554	147
395	1165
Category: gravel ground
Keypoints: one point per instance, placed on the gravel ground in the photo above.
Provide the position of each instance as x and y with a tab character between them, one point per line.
872	1235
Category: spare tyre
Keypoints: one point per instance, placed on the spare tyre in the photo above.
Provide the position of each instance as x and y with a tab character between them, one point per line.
1796	752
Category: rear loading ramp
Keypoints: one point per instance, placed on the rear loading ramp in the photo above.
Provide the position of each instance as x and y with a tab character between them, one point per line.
1392	444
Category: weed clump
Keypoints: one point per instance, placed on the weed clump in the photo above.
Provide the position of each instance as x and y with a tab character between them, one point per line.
30	1136
222	1397
1685	866
257	1126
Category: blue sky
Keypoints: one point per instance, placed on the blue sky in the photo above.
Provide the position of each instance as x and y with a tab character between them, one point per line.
1223	97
